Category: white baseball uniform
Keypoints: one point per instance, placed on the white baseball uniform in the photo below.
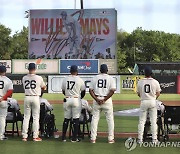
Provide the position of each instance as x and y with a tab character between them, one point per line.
12	103
72	85
32	84
101	85
48	106
87	107
147	88
5	85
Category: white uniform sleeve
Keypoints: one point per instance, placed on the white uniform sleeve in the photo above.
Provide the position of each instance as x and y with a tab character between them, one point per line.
112	84
10	85
83	87
158	87
63	84
42	83
92	84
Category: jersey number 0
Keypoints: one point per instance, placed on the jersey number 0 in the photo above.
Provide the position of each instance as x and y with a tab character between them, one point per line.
147	88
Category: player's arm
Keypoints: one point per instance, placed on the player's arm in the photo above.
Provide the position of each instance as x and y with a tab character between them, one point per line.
63	86
9	91
8	94
111	92
112	89
83	89
91	91
158	90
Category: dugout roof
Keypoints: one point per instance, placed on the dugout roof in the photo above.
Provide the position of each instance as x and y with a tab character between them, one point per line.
159	68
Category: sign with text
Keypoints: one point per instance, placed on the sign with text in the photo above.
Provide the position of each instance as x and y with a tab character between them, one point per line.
43	66
168	84
55	83
72	33
129	83
84	66
6	63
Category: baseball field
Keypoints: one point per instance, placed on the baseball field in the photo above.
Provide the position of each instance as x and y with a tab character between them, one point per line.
122	125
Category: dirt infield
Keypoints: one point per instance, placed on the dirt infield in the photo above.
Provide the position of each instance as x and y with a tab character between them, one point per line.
120	102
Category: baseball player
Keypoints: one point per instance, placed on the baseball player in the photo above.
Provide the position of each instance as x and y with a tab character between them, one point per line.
33	84
148	90
6	90
73	88
13	104
48	106
101	89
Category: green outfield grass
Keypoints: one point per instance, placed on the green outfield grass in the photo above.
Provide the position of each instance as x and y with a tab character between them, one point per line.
170	97
122	124
55	146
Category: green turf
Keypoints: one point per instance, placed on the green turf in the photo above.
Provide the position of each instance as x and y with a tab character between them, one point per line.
122	124
55	146
172	97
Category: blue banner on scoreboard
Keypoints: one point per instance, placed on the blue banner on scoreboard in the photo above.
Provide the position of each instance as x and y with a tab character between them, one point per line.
84	66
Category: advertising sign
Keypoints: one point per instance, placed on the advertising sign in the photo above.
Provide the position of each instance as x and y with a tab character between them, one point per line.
6	63
129	83
168	84
84	66
43	66
72	33
55	83
111	63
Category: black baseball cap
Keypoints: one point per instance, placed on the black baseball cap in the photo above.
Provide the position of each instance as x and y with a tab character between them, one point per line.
148	71
103	68
73	68
32	66
2	69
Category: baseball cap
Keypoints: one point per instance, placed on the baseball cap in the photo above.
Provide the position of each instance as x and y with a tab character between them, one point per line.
2	69
103	68
73	68
32	66
148	71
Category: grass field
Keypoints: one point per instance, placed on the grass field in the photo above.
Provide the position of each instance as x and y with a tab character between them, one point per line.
168	97
54	146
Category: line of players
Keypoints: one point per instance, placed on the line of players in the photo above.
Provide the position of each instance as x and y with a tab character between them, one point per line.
101	89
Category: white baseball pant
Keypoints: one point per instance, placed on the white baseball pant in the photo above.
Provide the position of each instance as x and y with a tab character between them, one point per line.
3	114
72	108
107	107
31	104
148	106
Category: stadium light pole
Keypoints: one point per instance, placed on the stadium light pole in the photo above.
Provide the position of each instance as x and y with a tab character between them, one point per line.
82	4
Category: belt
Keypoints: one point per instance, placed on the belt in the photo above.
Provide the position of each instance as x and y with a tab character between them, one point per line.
31	95
72	97
100	96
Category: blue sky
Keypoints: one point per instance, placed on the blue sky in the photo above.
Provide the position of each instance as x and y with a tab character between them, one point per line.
162	15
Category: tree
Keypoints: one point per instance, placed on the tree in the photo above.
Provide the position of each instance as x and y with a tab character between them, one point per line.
5	42
19	45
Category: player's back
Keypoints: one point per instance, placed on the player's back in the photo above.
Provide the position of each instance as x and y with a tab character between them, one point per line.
32	84
102	84
73	85
5	85
147	87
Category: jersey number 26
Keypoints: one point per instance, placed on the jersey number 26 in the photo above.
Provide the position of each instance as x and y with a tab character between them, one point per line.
30	84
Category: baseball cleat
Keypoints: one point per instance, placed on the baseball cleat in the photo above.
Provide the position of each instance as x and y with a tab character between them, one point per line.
77	140
24	139
111	141
93	141
4	138
37	139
